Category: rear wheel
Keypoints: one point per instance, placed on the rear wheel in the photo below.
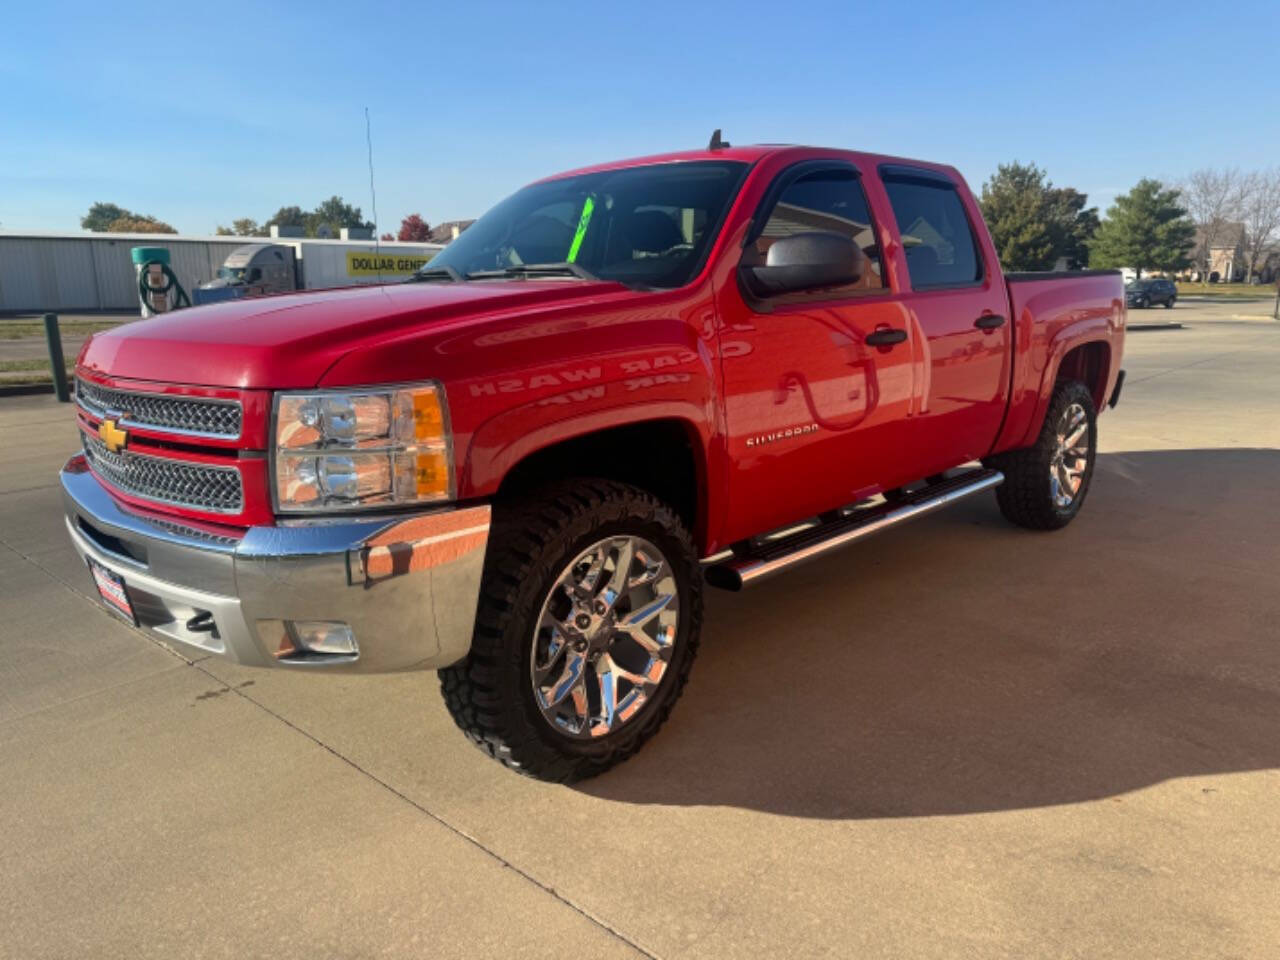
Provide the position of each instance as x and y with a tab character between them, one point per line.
1046	484
1168	304
589	621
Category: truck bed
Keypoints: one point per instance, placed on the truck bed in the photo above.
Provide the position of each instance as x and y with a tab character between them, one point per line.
1048	310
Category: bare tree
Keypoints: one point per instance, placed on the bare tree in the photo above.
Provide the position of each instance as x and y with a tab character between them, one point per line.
1214	199
1260	214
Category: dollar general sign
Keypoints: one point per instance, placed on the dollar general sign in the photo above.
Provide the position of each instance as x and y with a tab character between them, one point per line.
361	264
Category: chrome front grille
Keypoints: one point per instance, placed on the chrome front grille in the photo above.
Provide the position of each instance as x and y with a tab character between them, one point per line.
176	482
192	416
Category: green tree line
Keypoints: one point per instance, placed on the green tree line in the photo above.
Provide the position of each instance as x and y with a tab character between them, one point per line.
328	218
111	218
1037	226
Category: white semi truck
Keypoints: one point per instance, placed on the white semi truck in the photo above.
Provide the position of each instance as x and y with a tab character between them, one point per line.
284	264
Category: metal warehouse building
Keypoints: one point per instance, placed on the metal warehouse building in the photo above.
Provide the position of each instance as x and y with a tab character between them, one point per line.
93	271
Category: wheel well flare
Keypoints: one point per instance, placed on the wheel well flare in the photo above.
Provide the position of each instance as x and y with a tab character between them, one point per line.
1089	363
659	456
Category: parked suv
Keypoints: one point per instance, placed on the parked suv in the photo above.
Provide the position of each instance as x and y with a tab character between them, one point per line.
1147	293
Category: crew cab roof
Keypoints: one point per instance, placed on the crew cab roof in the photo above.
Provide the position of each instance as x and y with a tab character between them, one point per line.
748	154
751	153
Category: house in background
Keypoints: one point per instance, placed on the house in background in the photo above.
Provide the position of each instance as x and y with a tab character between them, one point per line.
1226	255
1228	260
448	231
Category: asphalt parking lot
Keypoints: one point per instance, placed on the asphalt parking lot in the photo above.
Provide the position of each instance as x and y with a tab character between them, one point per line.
960	739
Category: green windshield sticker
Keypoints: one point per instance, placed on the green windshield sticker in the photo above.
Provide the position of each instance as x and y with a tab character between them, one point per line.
588	205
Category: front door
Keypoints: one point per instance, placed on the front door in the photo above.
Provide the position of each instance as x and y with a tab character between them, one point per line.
813	411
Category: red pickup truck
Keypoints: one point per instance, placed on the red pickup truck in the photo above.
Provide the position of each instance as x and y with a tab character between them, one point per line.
521	467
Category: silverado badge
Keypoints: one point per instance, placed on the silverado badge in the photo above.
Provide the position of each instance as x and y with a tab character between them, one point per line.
786	434
112	436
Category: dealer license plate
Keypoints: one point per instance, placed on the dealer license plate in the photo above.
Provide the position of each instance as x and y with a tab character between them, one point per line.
111	589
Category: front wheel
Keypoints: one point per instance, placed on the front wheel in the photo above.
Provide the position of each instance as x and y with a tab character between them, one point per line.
1168	304
1045	484
589	620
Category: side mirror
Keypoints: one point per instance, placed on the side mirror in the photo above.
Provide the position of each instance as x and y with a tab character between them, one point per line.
805	261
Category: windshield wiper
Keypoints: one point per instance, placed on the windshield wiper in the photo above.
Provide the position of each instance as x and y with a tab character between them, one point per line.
429	274
564	269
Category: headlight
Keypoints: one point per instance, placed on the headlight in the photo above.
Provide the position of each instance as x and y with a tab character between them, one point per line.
361	449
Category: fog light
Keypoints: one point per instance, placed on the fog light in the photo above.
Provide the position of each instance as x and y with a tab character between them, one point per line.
324	636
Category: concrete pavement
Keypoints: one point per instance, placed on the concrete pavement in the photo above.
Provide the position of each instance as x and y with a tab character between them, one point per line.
960	739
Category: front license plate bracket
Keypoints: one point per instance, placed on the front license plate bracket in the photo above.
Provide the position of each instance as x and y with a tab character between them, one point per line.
112	592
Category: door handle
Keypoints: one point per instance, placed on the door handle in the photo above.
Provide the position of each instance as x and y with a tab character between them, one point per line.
886	338
989	321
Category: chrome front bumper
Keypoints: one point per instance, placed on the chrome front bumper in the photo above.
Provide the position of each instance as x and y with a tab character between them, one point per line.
407	585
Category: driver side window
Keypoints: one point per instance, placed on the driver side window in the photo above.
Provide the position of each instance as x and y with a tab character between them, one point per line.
826	201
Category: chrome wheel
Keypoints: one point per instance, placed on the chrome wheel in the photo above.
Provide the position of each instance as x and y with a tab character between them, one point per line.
1070	457
605	637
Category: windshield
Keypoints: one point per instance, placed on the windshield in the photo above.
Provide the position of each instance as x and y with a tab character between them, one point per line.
234	274
642	226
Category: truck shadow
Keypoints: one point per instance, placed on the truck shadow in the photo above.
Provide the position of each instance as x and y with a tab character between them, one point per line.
962	665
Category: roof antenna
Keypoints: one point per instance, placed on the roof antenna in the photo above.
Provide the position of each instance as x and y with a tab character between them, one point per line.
716	143
377	244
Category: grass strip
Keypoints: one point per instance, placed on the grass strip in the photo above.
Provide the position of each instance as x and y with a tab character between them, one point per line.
29	376
1226	290
29	331
31	363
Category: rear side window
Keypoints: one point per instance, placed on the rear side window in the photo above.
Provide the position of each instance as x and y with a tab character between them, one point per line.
829	201
935	232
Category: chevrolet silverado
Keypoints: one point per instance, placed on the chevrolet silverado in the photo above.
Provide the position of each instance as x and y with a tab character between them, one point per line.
521	467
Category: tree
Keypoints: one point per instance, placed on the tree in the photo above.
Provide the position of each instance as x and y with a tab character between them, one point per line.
110	218
101	215
335	214
286	217
386	236
414	229
135	223
330	216
1073	224
1033	224
1146	229
243	227
1213	198
1260	215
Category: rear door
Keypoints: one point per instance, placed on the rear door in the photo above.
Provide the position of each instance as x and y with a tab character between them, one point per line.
814	413
957	304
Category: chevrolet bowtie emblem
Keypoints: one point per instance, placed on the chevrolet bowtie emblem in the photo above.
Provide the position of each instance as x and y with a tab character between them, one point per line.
112	436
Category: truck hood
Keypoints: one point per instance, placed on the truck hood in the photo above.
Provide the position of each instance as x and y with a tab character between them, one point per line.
289	341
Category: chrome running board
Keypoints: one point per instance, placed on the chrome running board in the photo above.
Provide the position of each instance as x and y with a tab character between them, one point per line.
765	559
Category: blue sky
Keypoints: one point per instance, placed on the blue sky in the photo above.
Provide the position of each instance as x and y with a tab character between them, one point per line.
235	110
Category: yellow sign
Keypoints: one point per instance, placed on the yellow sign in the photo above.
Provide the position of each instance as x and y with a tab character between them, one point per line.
368	264
112	436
